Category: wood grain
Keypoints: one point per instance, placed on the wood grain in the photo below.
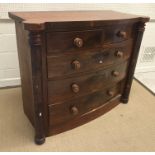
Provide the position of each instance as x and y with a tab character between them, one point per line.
60	90
89	59
72	122
24	55
75	66
91	38
59	20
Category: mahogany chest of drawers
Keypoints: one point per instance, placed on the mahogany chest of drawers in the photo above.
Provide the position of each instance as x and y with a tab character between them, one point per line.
75	66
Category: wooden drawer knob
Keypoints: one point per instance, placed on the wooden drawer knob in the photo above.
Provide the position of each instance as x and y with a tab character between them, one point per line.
119	54
122	34
110	93
75	88
74	110
76	64
115	73
78	42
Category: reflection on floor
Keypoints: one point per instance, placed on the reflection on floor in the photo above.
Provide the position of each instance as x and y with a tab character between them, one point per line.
147	79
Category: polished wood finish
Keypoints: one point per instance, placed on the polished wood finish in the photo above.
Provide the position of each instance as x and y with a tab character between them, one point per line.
78	42
75	65
138	38
24	55
60	90
76	121
73	20
89	38
87	60
60	114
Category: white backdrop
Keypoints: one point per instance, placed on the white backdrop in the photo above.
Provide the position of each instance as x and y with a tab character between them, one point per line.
9	69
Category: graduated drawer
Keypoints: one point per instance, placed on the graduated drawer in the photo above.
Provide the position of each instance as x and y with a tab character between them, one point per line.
65	89
88	60
78	40
61	114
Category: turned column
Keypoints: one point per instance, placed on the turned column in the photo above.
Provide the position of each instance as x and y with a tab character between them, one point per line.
35	41
132	63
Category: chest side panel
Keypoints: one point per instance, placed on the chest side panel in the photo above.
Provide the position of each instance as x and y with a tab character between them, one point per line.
25	70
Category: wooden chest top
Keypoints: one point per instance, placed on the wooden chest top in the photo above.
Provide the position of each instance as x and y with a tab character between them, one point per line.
38	19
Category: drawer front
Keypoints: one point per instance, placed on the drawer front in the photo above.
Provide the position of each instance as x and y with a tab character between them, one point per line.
60	114
72	41
60	90
85	61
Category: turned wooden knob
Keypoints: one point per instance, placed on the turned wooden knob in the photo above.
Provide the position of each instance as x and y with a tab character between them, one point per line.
74	110
122	34
110	93
75	88
78	42
76	64
115	73
119	54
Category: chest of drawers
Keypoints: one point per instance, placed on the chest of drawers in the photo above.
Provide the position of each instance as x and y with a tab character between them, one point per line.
75	66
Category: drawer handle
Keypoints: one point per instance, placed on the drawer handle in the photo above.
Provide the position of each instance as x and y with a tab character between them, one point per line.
74	110
122	34
115	73
76	64
75	88
119	54
110	93
78	42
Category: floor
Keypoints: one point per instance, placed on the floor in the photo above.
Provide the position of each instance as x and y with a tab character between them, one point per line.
147	79
129	127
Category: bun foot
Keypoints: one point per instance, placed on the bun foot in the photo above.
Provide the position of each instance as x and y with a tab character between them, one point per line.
124	100
39	141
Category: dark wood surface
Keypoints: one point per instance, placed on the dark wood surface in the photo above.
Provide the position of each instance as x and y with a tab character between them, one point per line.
89	59
24	55
60	19
75	65
37	49
62	113
133	60
91	39
82	119
60	90
56	16
30	59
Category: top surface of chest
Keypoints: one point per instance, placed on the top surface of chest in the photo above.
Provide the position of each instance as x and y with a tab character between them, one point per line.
63	20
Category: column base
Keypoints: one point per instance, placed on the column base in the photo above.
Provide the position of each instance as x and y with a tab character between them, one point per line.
39	141
124	100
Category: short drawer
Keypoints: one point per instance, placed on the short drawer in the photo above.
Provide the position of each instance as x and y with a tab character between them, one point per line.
88	60
65	89
78	40
60	114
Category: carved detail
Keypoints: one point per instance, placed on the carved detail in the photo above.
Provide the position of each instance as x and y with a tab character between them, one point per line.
141	27
132	64
35	39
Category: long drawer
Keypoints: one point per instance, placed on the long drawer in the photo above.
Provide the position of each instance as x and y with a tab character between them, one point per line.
60	90
60	114
85	61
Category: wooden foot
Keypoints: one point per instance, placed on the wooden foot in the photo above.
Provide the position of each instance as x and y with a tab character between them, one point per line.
39	141
124	100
